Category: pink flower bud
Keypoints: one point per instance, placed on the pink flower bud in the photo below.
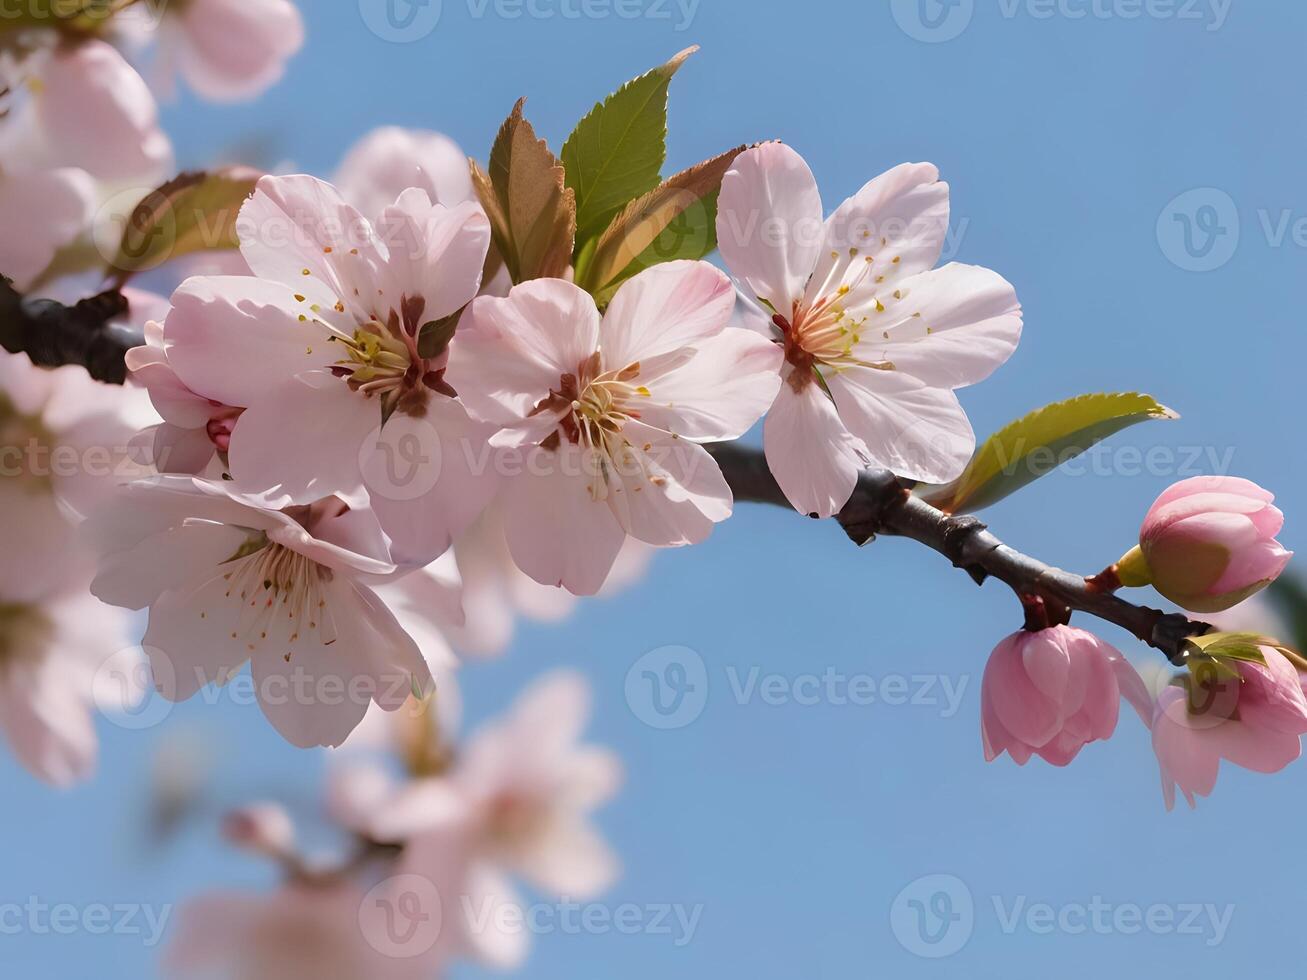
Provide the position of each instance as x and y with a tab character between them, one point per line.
1050	693
1248	714
1209	543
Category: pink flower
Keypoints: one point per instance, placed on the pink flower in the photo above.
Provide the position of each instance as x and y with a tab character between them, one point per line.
875	338
1052	692
327	930
322	351
1254	720
1208	543
82	105
606	415
229	50
517	801
389	160
227	582
41	211
194	429
60	658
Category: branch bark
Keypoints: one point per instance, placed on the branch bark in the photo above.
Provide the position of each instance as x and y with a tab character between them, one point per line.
881	504
52	334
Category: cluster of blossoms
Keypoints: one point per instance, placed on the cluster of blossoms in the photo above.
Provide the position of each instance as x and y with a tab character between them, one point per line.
1208	544
429	878
420	403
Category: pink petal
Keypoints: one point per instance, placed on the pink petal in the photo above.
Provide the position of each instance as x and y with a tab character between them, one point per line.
576	544
231	338
899	220
435	253
769	223
813	456
673	305
389	160
40	213
304	440
231	50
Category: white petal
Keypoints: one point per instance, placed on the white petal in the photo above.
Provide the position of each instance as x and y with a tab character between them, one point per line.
669	306
917	432
769	223
436	253
953	327
720	393
898	220
810	451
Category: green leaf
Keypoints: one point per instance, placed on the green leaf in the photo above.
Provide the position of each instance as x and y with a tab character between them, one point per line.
1036	445
532	213
616	152
192	213
435	336
676	220
1244	647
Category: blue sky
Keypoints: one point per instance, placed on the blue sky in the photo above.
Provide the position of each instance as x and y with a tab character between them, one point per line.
1069	131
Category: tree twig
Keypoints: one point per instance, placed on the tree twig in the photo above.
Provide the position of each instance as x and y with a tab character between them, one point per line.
882	505
52	334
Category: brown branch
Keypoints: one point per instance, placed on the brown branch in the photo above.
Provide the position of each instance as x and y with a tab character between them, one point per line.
52	334
882	505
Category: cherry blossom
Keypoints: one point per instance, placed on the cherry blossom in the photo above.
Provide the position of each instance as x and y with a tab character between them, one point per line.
227	581
60	659
41	211
876	338
81	105
194	430
1252	715
605	415
322	349
228	50
1051	692
1208	543
389	160
517	801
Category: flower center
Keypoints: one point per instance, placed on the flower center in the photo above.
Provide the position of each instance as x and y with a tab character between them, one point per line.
824	334
514	820
282	595
383	361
